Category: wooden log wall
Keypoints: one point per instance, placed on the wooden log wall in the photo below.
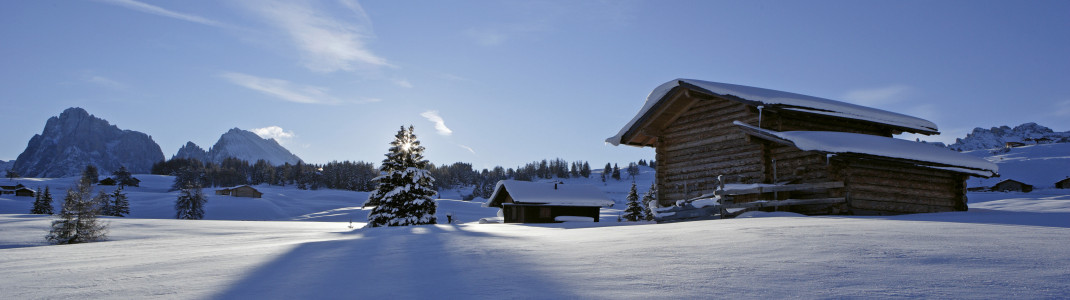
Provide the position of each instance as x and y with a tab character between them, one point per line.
702	144
882	187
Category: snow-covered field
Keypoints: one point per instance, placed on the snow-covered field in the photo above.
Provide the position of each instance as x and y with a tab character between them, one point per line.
1009	245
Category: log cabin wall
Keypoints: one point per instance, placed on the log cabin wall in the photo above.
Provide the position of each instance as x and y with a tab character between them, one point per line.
701	144
881	187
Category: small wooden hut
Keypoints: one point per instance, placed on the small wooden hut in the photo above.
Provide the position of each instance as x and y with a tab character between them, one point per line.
241	191
1063	184
827	156
540	202
108	181
1011	185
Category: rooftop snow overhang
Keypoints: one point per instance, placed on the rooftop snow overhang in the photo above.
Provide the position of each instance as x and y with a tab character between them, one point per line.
666	98
864	145
537	193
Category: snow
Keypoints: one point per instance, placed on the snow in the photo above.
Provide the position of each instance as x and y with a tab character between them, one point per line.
551	193
790	101
1008	245
987	252
1037	165
855	143
573	219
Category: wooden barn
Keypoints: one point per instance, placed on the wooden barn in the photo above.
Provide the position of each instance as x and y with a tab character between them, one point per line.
1011	185
825	156
540	202
18	190
1063	184
241	191
108	181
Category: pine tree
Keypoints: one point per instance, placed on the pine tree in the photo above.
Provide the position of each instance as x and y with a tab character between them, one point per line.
190	203
124	178
42	202
405	192
633	213
650	198
120	205
616	172
90	174
103	202
586	170
77	221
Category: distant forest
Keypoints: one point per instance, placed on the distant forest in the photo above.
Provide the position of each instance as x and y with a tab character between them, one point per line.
357	176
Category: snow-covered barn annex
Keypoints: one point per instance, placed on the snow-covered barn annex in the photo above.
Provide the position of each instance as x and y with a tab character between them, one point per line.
825	156
544	202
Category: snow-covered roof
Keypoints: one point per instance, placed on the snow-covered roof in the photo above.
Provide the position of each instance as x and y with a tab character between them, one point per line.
782	100
854	143
526	192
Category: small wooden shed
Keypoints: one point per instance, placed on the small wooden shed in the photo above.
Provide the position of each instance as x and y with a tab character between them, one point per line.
108	181
241	191
1011	185
24	192
840	157
1063	184
543	202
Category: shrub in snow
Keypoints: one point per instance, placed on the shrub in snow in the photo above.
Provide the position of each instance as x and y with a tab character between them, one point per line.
404	193
190	203
77	222
650	200
634	212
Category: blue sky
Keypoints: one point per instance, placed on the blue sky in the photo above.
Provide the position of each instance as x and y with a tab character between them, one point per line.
509	82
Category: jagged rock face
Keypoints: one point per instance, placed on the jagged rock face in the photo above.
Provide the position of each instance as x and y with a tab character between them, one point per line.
191	151
248	146
76	139
997	137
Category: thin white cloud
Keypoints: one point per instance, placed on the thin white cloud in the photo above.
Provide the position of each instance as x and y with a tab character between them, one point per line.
275	132
440	125
286	90
877	96
467	148
327	43
156	10
104	82
403	83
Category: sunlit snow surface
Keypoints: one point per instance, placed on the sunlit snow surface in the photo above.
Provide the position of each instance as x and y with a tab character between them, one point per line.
1009	245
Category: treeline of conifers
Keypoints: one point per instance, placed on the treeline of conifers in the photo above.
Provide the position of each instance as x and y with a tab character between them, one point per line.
357	176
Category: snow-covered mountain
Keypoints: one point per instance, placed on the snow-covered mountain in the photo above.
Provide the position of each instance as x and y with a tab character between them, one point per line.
997	137
6	165
75	139
241	144
1037	165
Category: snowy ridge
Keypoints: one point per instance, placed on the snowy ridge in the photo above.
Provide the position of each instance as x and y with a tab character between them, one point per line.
240	144
75	139
1037	165
785	100
998	137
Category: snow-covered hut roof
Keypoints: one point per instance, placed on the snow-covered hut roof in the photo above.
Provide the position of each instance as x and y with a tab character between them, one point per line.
925	155
780	100
548	193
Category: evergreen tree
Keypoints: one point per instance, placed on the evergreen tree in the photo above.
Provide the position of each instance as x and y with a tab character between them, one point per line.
616	172
120	205
633	212
650	198
90	174
190	203
103	202
11	174
124	178
77	221
42	202
405	192
586	170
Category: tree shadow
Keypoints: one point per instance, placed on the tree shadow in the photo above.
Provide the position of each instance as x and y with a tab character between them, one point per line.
988	216
423	262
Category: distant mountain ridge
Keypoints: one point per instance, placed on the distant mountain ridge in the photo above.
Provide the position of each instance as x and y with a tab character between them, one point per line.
75	139
998	137
240	144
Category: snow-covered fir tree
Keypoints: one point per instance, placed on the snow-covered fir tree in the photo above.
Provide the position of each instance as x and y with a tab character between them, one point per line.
650	199
190	203
103	202
42	202
404	192
120	205
634	212
77	220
